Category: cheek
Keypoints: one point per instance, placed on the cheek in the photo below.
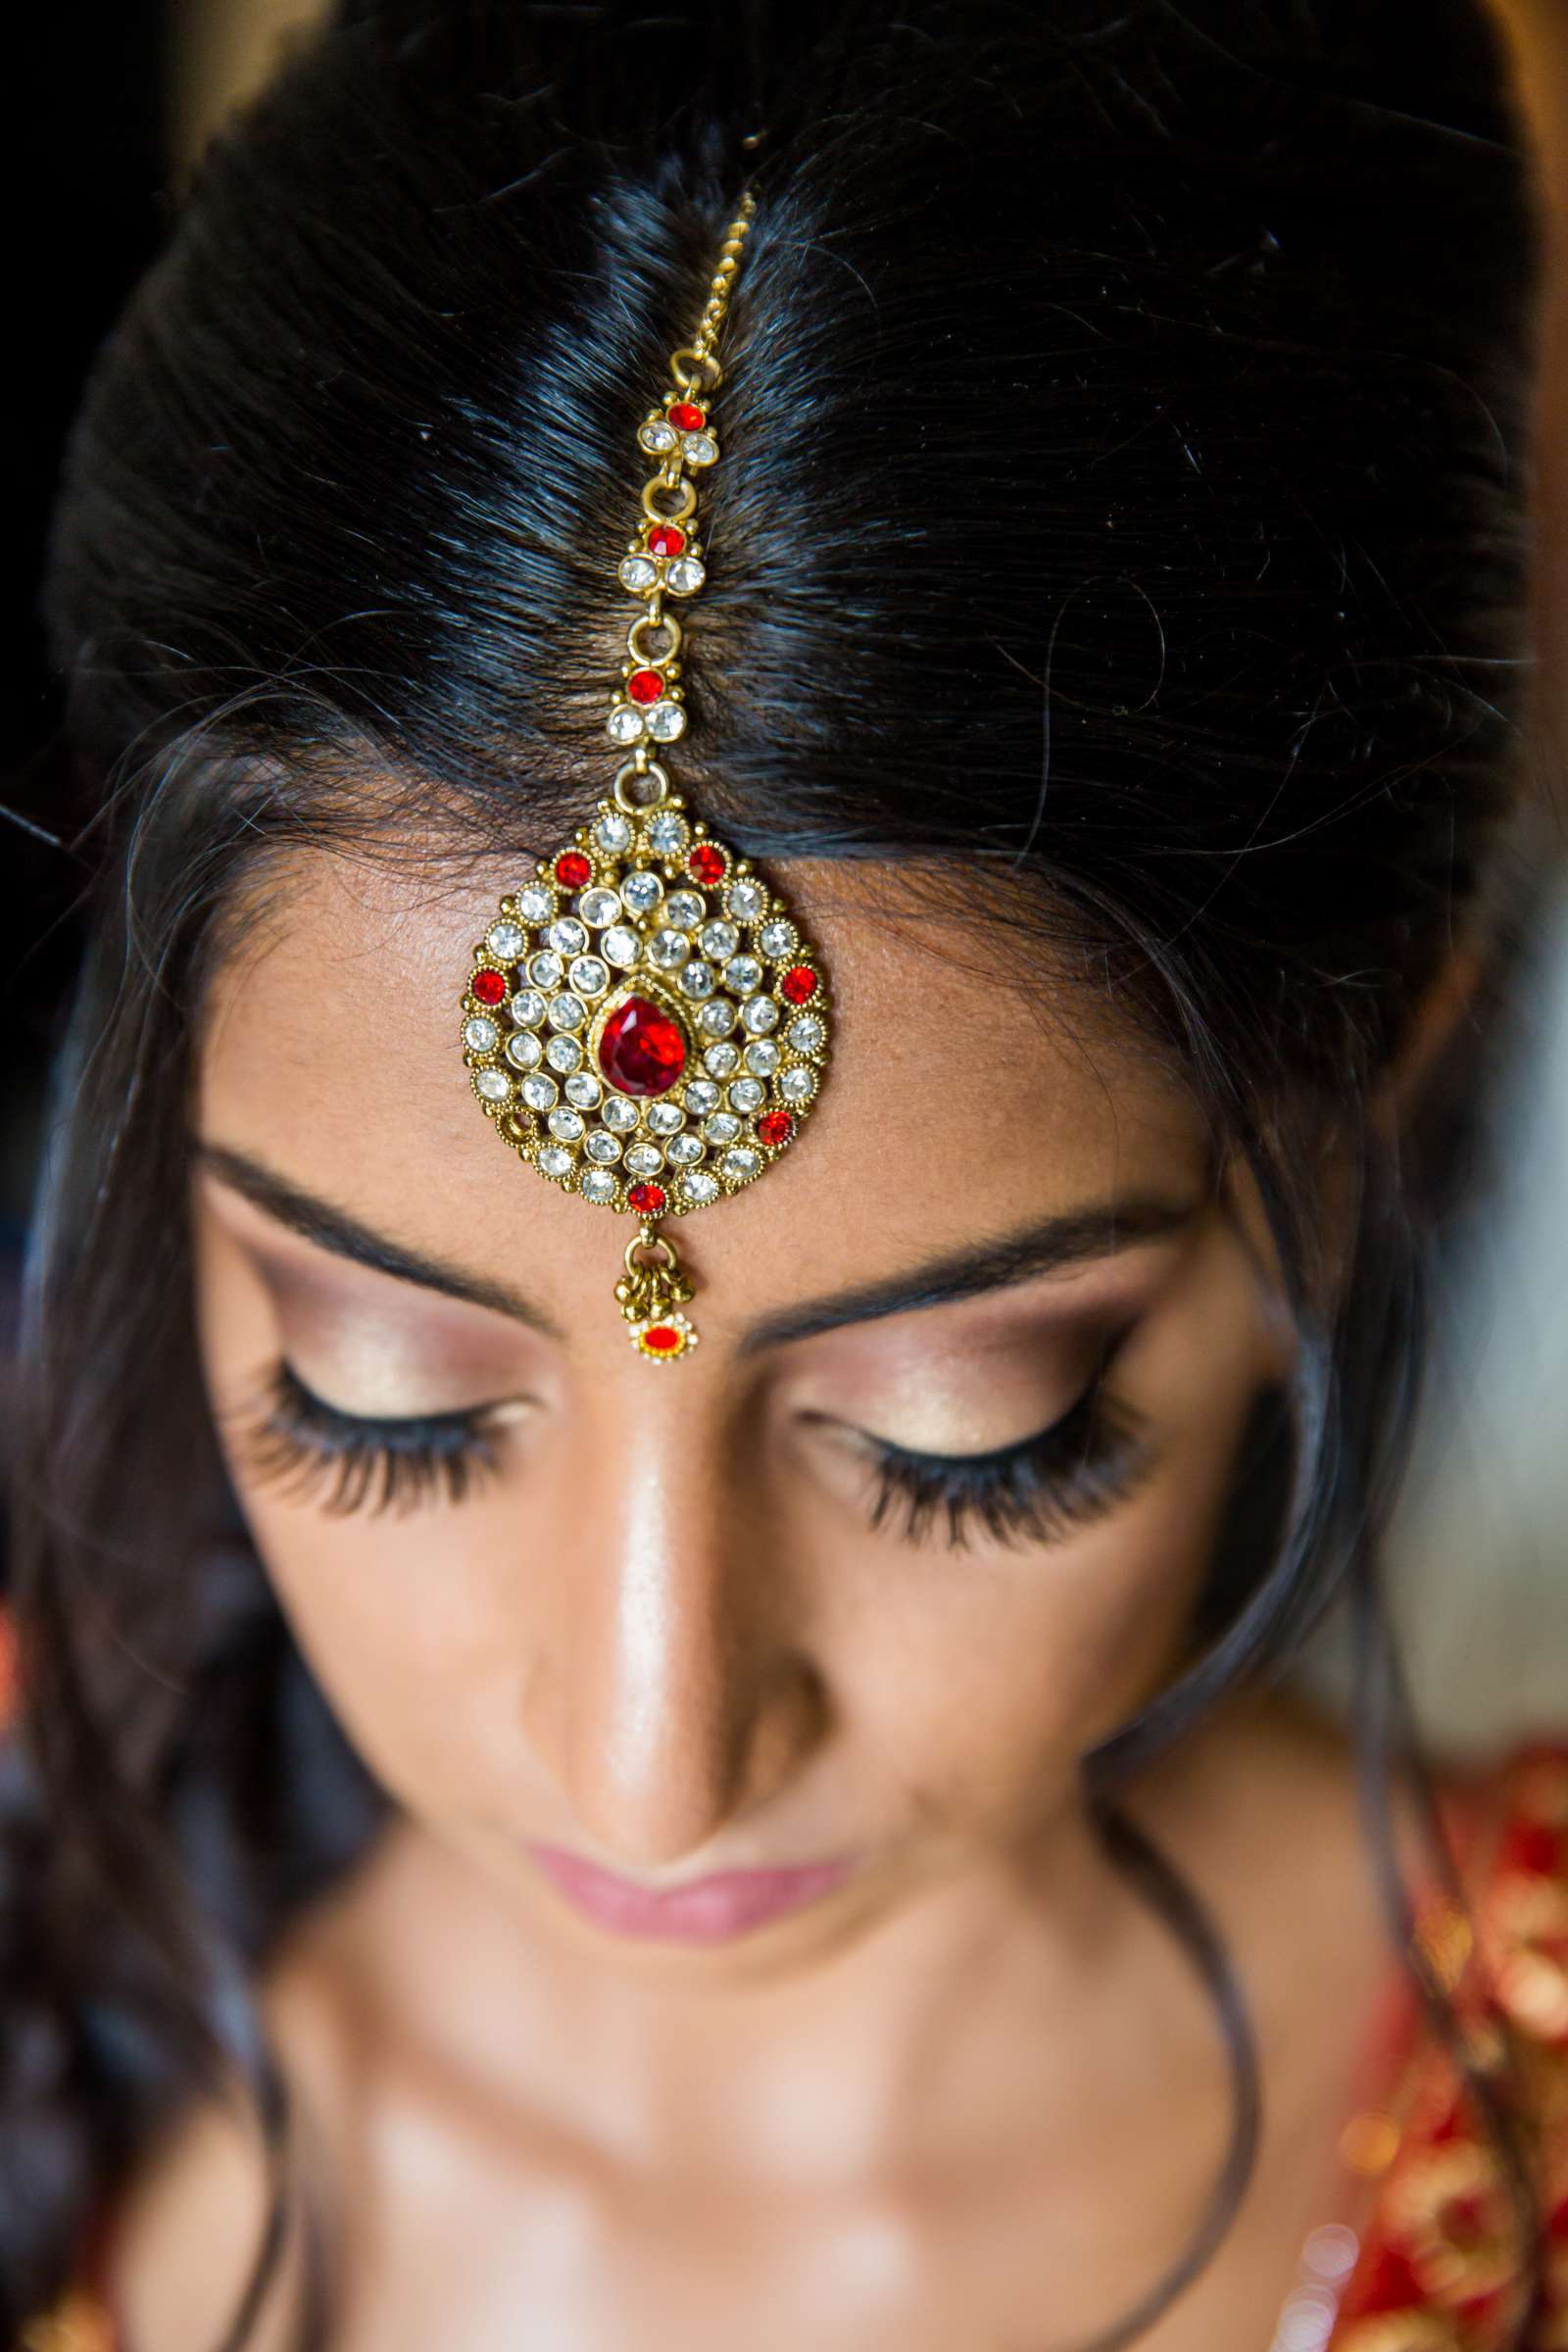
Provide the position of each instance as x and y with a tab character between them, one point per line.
991	1675
1021	1664
406	1626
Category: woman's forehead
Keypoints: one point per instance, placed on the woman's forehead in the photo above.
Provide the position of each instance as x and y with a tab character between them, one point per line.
967	1091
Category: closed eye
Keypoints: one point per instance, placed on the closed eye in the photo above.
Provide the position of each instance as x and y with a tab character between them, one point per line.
1039	1489
351	1461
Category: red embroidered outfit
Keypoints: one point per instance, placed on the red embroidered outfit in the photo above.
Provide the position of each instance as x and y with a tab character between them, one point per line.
1439	2263
1440	2267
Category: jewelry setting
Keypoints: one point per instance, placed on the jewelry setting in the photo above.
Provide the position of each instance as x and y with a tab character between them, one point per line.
645	1022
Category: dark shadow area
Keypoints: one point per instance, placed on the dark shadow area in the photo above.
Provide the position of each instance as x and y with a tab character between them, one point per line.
88	197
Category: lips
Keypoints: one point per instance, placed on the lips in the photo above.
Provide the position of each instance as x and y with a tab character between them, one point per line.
712	1910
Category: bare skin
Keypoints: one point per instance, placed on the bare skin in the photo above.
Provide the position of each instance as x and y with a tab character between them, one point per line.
972	2099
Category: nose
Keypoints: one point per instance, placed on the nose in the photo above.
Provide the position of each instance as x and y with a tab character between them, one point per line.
674	1698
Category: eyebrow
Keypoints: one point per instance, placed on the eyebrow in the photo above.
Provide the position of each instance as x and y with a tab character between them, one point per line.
1068	1239
316	1220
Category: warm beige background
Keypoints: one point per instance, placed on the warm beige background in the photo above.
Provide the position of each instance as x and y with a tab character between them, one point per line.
1480	1559
223	50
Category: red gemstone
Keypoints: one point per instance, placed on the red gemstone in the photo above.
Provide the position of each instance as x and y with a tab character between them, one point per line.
665	539
641	1050
646	1199
573	872
774	1128
798	984
687	415
489	987
645	685
708	863
664	1340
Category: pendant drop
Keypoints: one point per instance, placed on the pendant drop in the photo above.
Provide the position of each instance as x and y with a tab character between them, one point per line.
651	1294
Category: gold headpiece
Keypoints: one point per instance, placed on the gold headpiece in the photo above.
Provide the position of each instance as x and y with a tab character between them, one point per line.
644	1024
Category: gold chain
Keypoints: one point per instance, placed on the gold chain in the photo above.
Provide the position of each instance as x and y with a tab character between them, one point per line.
705	373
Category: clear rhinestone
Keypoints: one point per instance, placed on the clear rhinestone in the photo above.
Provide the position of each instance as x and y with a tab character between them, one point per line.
601	1146
663	1118
805	1033
717	1017
760	1014
554	1161
594	1185
566	936
721	1128
506	940
599	907
685	575
761	1057
798	1085
563	1054
697	980
664	721
565	1125
645	1159
742	1163
582	1087
527	1009
777	937
567	1011
480	1034
702	1095
684	910
522	1049
541	1092
684	1150
701	448
668	950
621	1113
748	1093
588	976
613	832
699	1185
638	572
642	891
621	947
718	940
719	1060
545	970
743	974
537	903
494	1085
657	437
625	723
745	900
667	833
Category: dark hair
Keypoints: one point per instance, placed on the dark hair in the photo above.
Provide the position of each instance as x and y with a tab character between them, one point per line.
1121	496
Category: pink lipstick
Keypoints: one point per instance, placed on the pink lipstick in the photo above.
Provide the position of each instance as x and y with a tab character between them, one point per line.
710	1910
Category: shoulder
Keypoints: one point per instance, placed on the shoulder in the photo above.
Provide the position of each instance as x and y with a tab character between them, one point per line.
187	2235
189	2226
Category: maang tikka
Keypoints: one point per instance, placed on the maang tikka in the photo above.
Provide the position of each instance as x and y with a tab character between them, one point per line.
645	1022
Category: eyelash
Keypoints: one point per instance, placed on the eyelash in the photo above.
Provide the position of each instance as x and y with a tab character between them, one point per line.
1039	1491
351	1463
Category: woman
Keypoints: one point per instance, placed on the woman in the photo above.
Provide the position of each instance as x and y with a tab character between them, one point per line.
809	1842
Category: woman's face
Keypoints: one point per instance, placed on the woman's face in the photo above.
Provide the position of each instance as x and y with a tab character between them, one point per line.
919	1522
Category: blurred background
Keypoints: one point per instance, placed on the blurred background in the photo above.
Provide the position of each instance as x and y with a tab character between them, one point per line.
116	100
